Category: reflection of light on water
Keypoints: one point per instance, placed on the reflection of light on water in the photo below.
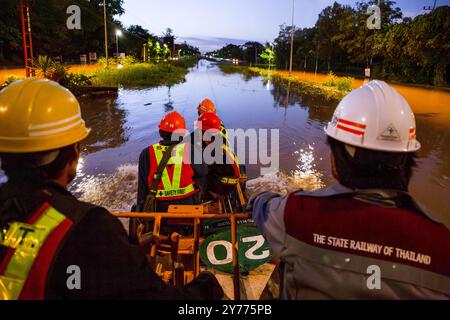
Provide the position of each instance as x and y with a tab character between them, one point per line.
306	177
80	167
116	192
268	85
306	161
306	172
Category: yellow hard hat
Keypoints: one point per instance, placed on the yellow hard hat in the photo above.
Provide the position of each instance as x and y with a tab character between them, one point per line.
39	115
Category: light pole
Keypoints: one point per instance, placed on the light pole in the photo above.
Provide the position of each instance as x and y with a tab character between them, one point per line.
292	37
271	54
118	34
106	33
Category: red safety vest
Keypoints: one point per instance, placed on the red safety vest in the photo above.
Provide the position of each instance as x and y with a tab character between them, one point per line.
394	235
32	247
177	178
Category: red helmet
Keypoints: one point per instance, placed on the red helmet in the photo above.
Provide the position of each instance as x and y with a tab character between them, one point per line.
172	121
206	106
209	121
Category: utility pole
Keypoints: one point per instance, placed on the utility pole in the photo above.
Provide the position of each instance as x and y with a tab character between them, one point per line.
292	38
118	34
428	8
27	38
106	33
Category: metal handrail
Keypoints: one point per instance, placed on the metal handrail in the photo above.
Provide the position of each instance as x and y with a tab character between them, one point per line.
197	217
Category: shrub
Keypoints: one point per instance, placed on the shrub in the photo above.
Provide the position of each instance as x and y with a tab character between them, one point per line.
12	78
343	84
141	74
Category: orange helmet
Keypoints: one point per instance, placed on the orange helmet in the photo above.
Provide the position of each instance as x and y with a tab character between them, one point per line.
172	121
209	121
206	106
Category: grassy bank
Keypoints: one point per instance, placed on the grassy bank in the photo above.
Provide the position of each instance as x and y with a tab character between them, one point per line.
140	74
130	73
332	88
143	74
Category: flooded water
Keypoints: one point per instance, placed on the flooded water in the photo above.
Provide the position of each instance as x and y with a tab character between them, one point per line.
124	125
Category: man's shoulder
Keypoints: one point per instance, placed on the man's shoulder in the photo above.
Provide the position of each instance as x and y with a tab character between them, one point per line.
74	209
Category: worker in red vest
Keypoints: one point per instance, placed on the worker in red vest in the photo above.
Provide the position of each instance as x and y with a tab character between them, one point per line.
53	246
175	183
365	237
223	172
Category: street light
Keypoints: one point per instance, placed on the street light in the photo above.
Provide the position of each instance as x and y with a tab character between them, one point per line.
106	32
118	34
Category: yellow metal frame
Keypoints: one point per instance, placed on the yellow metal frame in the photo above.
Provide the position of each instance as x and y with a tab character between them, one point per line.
196	213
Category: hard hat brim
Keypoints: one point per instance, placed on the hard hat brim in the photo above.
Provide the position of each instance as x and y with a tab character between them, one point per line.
40	144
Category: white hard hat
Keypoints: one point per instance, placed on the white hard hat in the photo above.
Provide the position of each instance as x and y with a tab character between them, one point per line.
376	117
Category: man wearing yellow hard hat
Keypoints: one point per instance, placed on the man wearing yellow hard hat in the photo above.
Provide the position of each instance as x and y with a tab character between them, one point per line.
44	231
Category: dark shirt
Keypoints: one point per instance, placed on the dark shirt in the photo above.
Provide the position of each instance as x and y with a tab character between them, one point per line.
111	268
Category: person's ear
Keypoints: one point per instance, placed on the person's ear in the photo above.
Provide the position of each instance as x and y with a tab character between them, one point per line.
76	151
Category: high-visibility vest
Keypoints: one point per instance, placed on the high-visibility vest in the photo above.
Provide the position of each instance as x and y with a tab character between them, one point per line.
231	180
224	132
31	249
177	177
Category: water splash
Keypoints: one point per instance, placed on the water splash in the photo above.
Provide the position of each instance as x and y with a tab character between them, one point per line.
116	192
305	177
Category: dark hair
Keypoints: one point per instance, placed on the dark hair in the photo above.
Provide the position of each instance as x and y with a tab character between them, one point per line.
168	136
22	168
369	169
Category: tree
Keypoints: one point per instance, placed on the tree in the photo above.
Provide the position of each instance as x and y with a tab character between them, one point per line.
185	49
135	38
10	36
282	46
306	47
230	51
268	56
429	42
50	34
168	33
251	51
327	32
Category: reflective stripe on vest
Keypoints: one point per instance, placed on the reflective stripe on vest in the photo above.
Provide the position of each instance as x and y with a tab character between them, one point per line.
172	188
224	132
237	174
31	249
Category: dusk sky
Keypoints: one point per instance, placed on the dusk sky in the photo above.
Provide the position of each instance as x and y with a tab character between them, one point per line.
209	24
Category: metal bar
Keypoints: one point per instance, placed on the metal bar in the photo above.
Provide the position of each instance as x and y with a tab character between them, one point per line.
180	215
106	33
30	38
240	195
236	283
197	218
196	247
24	36
156	231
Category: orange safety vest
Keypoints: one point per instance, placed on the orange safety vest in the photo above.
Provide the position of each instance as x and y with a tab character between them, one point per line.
31	249
177	178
